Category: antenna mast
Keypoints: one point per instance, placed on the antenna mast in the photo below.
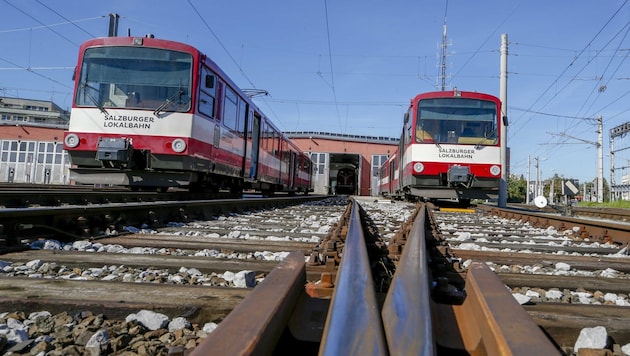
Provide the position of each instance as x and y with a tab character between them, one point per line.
444	45
443	65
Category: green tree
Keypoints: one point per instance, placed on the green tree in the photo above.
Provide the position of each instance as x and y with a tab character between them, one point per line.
517	189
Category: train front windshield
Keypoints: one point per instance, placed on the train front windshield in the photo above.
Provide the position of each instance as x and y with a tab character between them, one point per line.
457	120
135	77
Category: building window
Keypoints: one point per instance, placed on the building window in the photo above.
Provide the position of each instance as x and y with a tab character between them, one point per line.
377	162
319	163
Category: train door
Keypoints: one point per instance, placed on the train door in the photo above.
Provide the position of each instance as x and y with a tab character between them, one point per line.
405	140
255	144
292	170
377	162
358	177
391	172
247	143
321	170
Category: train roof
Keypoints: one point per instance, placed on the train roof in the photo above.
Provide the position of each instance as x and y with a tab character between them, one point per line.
139	41
455	93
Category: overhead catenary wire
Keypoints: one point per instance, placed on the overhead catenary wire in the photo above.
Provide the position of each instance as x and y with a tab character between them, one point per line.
73	22
41	23
523	124
63	17
332	72
234	61
36	73
490	35
601	87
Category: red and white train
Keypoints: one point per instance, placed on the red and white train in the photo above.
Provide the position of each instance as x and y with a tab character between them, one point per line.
152	113
450	148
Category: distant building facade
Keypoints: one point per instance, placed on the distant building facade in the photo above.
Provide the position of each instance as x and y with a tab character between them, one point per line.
332	152
31	142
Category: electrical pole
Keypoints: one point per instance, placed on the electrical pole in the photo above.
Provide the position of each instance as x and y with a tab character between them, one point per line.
503	120
600	160
529	166
599	144
536	183
551	188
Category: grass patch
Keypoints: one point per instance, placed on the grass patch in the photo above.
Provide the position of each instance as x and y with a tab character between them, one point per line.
620	204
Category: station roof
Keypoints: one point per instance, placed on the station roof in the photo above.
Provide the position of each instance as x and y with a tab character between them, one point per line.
342	137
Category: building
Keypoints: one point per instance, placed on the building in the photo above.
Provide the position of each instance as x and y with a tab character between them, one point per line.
332	152
31	142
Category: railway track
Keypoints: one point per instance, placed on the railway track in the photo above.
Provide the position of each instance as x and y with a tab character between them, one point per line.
18	195
567	279
373	271
199	271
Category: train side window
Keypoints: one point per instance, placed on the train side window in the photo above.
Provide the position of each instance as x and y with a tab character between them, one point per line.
230	108
210	81
242	115
207	93
407	129
277	144
266	137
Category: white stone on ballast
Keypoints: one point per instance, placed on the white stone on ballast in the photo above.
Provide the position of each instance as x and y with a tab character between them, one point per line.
178	324
553	294
561	266
151	320
521	299
245	279
591	338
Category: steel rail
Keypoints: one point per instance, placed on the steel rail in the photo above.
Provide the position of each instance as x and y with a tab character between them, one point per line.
74	220
353	325
257	323
594	229
492	322
407	310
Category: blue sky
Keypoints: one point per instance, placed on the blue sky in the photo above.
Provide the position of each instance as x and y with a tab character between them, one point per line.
352	66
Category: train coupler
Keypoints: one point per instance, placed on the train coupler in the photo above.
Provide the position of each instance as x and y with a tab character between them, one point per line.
118	150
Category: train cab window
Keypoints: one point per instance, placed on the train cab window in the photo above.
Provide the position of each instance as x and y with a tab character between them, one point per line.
207	93
426	130
135	77
456	120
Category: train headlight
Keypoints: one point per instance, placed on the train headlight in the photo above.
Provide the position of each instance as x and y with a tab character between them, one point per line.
179	145
418	167
495	170
72	140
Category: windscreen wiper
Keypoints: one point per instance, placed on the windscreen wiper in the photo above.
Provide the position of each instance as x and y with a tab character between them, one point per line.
92	98
168	102
486	136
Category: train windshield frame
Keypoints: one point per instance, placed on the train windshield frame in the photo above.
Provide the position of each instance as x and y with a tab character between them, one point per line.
457	120
135	78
